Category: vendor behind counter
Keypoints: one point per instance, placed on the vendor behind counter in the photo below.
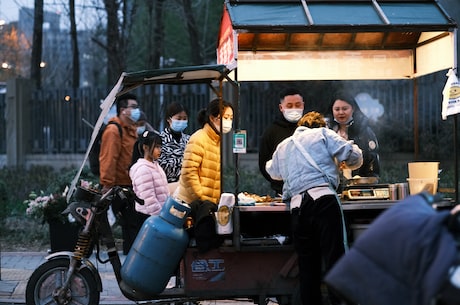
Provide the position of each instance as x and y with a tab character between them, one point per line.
347	120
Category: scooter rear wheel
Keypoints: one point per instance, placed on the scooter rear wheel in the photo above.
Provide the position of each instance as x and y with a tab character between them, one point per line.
42	287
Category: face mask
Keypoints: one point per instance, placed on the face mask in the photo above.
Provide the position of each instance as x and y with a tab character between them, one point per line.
178	125
292	115
135	114
226	125
140	129
349	122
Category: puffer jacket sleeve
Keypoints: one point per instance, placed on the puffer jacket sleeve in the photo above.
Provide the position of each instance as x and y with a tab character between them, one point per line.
193	157
150	185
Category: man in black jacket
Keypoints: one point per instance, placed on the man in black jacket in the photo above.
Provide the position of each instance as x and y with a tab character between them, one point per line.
291	108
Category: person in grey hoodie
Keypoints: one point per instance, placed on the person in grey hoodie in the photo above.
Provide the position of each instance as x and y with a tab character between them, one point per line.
307	162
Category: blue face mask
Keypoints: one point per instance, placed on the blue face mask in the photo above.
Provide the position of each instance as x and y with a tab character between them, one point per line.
178	125
135	114
140	129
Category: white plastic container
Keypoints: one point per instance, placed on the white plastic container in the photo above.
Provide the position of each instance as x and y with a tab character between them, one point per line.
418	170
423	176
224	223
429	185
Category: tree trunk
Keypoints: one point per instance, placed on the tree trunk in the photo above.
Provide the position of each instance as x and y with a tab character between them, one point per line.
113	41
74	44
195	48
35	73
150	64
159	36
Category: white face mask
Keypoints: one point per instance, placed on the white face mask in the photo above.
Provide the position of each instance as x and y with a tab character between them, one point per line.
226	125
292	115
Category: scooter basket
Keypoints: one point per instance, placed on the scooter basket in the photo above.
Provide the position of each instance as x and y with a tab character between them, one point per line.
82	194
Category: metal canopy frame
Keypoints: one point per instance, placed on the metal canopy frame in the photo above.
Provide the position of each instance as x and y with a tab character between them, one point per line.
128	81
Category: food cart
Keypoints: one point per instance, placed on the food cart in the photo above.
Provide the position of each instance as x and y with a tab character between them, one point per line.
249	264
295	40
340	40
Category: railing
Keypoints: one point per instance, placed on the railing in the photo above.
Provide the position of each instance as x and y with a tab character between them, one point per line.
56	126
60	128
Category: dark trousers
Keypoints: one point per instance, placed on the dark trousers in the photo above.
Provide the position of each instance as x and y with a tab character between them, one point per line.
319	243
129	219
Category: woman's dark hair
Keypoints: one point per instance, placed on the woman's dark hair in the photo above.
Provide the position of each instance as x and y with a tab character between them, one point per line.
173	109
347	97
212	109
149	138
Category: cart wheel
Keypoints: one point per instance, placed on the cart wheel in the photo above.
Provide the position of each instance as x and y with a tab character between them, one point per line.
43	286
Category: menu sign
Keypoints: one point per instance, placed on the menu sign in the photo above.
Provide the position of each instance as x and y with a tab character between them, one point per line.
451	96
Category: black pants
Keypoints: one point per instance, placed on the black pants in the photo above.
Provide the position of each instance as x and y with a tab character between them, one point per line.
129	219
319	242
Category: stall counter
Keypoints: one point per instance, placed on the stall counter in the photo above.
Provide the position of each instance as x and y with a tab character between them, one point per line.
254	224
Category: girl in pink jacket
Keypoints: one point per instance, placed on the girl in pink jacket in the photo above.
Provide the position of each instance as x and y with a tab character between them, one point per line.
148	178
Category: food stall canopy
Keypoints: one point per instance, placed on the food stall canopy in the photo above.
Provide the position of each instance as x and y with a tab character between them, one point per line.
270	40
173	76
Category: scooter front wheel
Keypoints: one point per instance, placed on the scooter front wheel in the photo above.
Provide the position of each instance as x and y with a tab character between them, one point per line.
44	285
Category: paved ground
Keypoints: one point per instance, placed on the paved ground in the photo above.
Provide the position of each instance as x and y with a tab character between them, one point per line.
16	268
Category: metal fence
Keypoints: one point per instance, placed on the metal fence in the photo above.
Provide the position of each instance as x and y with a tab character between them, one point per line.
2	118
57	127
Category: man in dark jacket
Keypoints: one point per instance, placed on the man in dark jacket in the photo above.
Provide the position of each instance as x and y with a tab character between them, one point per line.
291	108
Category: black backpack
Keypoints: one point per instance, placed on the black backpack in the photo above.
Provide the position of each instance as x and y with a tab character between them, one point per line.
96	149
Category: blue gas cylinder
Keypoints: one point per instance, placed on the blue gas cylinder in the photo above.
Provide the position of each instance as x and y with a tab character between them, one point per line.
156	251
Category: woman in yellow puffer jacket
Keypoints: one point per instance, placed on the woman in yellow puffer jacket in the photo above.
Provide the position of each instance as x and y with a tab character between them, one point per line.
200	173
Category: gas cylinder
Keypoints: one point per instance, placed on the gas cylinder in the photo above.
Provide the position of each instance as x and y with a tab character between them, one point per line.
156	252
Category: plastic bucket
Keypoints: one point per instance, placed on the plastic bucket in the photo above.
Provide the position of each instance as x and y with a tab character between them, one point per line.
418	170
429	185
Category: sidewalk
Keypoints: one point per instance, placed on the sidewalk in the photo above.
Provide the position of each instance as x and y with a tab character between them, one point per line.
16	268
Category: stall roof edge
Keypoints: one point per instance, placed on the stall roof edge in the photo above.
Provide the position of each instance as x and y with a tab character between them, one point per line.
260	23
177	75
336	12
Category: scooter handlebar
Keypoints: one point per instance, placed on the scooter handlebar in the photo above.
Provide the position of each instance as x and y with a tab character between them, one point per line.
124	193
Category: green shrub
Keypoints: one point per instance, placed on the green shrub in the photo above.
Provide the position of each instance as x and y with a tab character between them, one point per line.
16	229
19	232
16	183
